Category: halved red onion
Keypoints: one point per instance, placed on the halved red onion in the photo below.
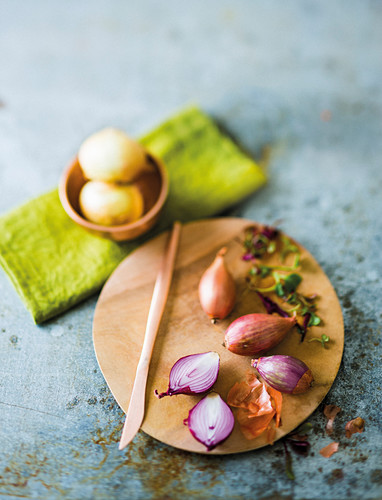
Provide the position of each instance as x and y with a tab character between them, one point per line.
193	374
211	421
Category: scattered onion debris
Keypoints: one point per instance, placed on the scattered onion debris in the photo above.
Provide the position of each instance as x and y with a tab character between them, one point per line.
330	412
258	405
353	426
329	450
299	443
259	240
271	306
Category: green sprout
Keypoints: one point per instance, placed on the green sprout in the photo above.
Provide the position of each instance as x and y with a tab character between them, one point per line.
324	339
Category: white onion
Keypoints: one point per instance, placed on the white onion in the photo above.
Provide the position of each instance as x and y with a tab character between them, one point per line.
111	156
111	204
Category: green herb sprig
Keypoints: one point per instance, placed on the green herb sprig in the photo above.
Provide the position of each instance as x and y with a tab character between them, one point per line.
260	241
324	340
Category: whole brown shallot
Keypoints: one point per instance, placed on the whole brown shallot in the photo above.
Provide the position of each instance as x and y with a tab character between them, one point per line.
254	334
217	293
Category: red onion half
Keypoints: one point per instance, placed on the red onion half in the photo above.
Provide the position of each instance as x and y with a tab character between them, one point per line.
193	374
211	421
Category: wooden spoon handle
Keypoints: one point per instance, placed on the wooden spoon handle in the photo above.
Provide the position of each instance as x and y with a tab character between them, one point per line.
136	409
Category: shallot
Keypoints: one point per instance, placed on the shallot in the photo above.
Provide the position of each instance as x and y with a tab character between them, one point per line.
217	293
284	373
254	334
193	374
210	421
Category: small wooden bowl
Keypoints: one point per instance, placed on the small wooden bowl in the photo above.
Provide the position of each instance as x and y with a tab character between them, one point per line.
153	186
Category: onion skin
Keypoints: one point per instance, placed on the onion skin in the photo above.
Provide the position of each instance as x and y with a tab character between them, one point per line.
256	333
217	291
353	426
284	373
211	421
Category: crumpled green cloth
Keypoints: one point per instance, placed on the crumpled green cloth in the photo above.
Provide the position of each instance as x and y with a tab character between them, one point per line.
54	264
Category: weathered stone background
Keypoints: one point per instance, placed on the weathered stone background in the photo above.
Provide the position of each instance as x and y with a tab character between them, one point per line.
302	78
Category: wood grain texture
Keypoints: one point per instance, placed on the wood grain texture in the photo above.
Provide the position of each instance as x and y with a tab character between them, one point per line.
121	315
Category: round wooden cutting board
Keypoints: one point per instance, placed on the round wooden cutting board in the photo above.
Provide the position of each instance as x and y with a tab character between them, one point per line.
120	321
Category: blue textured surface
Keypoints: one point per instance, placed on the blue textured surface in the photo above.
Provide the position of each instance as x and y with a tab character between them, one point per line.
303	78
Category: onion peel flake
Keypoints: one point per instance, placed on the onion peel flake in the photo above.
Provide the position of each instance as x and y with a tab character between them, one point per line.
254	426
238	394
259	407
330	412
277	401
353	426
251	379
329	450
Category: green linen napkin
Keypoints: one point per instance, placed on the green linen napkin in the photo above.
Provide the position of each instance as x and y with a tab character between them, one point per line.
54	264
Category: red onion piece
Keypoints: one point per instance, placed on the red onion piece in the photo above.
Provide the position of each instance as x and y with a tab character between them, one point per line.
211	421
193	374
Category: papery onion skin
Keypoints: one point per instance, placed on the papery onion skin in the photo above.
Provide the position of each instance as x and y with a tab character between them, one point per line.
211	421
284	373
217	291
330	449
256	333
353	426
193	374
